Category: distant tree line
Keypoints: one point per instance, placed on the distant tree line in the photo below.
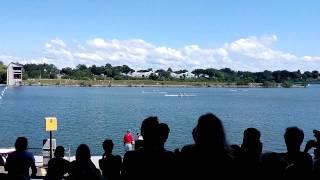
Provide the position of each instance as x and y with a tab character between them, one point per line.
225	75
40	71
82	72
228	75
3	73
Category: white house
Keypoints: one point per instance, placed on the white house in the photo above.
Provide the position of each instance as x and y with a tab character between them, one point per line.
141	74
14	74
182	75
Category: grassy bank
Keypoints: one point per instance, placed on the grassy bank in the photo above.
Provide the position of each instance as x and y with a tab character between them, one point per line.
140	83
127	83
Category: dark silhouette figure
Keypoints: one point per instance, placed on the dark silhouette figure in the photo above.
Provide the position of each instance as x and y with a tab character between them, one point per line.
209	157
248	159
315	143
110	164
164	131
83	167
57	166
20	161
299	164
1	161
139	142
273	166
151	161
235	150
316	169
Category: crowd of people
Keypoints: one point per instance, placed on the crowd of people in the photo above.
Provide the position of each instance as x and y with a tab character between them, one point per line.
209	157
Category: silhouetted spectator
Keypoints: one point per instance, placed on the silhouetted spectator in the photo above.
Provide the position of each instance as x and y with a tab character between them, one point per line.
2	175
248	159
235	150
110	164
20	161
316	169
83	167
272	166
57	166
128	141
151	161
1	160
209	157
314	143
164	131
139	141
299	163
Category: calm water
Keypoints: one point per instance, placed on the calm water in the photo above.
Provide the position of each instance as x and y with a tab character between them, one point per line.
89	115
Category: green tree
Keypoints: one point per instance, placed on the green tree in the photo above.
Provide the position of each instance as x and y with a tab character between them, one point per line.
66	71
153	76
198	72
3	73
315	74
307	75
82	67
126	69
287	84
181	71
163	75
44	71
269	84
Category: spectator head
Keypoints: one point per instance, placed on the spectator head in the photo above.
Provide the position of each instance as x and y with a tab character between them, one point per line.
107	146
21	144
251	140
83	153
129	131
210	132
59	152
164	131
293	138
150	130
316	134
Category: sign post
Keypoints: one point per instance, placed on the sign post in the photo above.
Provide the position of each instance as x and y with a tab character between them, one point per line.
51	125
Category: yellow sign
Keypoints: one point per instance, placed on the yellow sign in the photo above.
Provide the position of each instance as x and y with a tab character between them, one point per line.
51	123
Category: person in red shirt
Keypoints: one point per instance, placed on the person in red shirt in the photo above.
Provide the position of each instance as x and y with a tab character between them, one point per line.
128	141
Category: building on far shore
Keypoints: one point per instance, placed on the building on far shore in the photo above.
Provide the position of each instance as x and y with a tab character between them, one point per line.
184	75
14	74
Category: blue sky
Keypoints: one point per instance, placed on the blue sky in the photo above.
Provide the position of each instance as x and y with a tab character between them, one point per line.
246	34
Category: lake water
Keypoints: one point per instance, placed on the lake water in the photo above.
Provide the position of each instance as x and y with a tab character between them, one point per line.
89	115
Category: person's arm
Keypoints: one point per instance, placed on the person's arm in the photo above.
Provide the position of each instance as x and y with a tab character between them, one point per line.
132	139
33	167
7	164
1	161
310	144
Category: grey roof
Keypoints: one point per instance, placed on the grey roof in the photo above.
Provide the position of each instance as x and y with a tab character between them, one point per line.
16	64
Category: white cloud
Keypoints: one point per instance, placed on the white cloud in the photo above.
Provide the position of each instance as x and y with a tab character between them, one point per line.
98	43
250	54
311	58
93	57
258	48
58	42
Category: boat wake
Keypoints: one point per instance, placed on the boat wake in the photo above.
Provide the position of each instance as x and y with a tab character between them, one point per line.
180	95
154	92
3	91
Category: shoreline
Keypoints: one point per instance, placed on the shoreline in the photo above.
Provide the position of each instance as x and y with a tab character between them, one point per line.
158	86
145	83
